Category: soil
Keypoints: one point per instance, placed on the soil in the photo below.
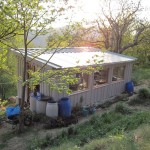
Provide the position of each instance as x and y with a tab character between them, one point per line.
19	142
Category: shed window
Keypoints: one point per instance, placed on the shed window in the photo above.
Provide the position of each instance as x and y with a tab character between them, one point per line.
100	77
118	73
82	82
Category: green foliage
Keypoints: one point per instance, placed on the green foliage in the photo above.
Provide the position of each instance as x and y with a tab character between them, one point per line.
109	124
2	145
7	26
2	113
8	77
142	50
139	101
142	136
144	93
142	73
120	108
136	101
74	35
7	136
3	57
31	17
58	79
143	98
34	144
4	103
138	139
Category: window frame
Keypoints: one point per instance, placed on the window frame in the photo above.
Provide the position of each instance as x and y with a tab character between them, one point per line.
80	82
105	77
116	78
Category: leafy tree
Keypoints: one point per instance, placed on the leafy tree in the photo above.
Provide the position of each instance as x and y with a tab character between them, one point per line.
34	17
114	24
142	50
7	73
7	27
73	35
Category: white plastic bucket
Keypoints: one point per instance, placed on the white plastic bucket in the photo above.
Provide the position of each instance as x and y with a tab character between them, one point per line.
17	100
33	104
41	107
52	110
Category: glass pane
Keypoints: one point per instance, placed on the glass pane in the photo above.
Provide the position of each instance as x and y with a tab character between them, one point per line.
82	82
118	73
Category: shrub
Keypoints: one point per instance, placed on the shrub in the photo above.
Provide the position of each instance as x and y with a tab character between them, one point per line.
120	108
4	103
136	101
144	93
135	81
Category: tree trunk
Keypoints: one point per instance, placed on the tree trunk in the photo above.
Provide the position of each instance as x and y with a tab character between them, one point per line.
21	116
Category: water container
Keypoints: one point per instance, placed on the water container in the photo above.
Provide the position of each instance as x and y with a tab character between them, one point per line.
32	104
41	107
17	100
12	111
129	87
65	107
52	109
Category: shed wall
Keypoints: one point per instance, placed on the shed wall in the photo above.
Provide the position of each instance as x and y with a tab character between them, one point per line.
93	95
100	94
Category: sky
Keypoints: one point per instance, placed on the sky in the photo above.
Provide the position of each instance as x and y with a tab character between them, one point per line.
87	9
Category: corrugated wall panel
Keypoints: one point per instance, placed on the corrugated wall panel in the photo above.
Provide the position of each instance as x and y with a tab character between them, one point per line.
91	96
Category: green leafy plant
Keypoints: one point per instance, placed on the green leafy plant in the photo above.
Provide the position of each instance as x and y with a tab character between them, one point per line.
144	93
120	108
108	124
4	103
135	101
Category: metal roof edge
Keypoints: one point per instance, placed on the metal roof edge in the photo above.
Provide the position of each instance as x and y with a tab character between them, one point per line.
37	59
123	55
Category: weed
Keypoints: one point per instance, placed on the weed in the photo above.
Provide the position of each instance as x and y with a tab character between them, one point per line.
135	101
7	136
143	98
111	123
2	113
120	108
48	137
34	144
144	93
64	133
72	131
2	145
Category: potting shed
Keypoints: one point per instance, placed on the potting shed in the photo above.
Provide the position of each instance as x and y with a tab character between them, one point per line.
94	88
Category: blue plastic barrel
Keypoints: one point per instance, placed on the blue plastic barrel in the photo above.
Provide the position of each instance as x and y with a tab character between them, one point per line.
129	87
65	107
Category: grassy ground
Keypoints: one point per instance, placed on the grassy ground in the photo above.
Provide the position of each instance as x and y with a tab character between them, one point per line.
121	127
135	140
99	131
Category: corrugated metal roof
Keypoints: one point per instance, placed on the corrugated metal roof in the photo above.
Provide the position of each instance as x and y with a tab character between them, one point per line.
76	56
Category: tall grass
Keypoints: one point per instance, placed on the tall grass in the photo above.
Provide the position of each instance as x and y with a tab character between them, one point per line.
106	125
137	140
